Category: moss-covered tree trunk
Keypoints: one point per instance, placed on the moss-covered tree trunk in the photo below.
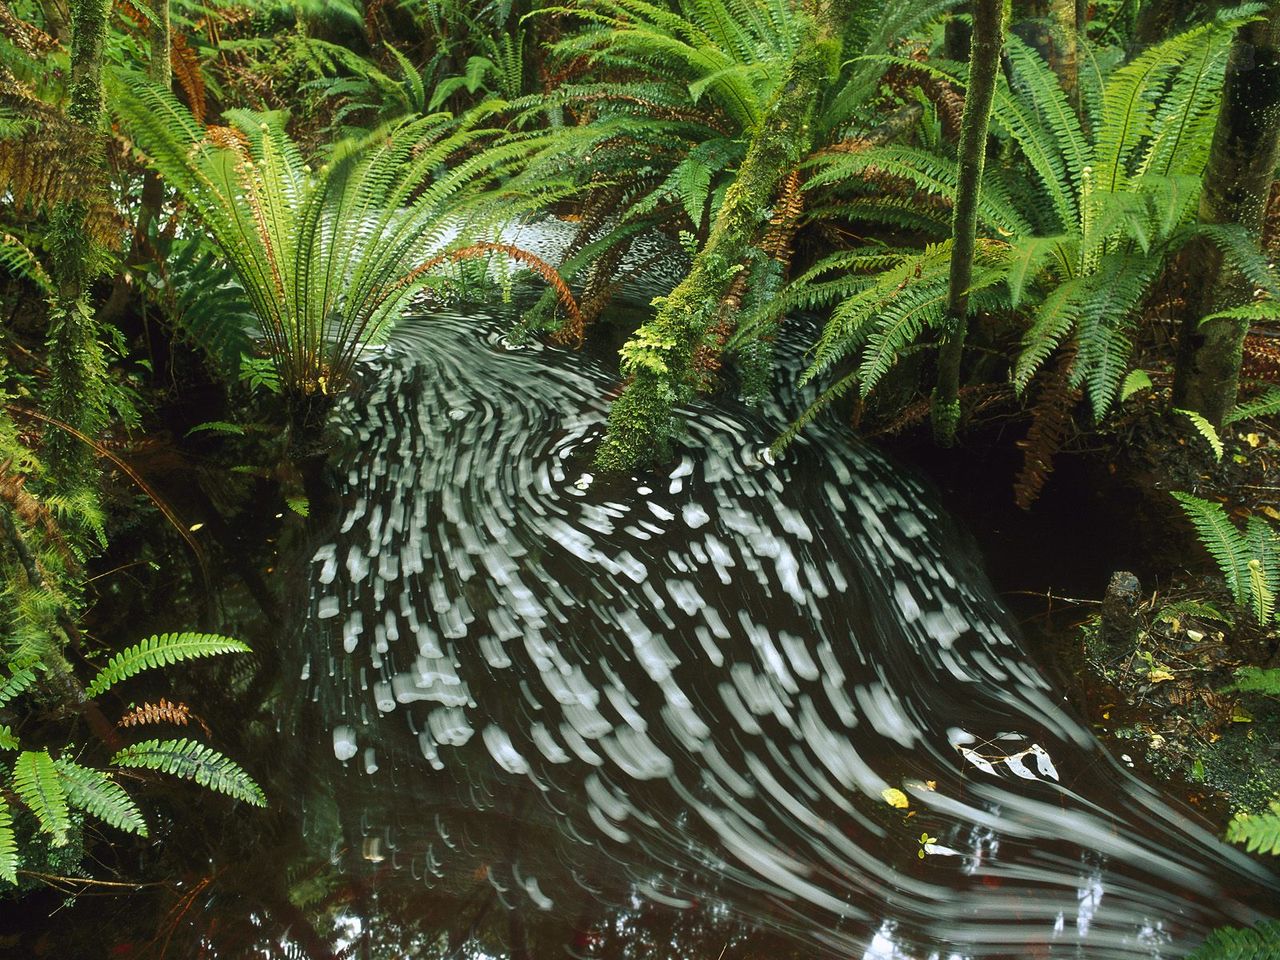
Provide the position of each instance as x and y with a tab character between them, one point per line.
76	363
989	17
659	357
1054	31
1237	183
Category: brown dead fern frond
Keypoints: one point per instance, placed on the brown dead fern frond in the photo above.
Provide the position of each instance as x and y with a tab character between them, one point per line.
162	711
27	37
1051	421
1261	360
187	73
532	261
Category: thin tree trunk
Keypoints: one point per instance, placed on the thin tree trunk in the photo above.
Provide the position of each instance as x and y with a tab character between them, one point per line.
160	71
989	17
76	362
1054	32
1237	184
659	357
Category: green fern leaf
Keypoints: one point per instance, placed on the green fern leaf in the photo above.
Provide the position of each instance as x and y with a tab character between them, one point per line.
37	784
1259	832
1135	382
1229	943
1264	406
1255	680
1205	429
20	678
8	845
7	739
95	793
159	651
193	761
1224	542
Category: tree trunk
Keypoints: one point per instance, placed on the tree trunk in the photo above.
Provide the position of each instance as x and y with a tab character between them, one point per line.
1160	19
1237	184
76	361
160	71
989	18
658	358
1054	33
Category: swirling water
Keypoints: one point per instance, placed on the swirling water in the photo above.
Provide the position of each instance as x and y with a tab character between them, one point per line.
682	700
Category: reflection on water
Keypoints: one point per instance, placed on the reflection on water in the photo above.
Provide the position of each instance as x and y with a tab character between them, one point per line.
667	715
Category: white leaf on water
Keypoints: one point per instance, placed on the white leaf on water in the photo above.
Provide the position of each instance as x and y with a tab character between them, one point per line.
1015	764
1043	763
976	759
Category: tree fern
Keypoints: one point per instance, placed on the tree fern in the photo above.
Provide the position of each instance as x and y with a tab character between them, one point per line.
38	786
159	651
96	794
193	761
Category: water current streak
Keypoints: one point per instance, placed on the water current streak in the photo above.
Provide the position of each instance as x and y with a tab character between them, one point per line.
693	689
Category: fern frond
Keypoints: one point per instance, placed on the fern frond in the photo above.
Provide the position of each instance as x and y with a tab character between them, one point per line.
9	859
1261	942
1229	943
193	761
1223	541
159	651
1255	680
1206	430
1259	832
1264	406
21	677
96	794
37	784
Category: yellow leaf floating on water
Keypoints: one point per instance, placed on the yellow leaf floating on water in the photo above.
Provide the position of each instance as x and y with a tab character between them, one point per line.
1159	675
895	798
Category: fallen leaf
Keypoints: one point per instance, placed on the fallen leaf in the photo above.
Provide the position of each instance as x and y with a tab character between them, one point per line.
895	798
1159	675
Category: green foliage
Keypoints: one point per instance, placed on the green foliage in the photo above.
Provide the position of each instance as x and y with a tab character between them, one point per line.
38	786
1256	680
158	651
1206	430
1229	943
1249	560
50	788
1121	187
329	257
1264	406
96	794
193	761
8	844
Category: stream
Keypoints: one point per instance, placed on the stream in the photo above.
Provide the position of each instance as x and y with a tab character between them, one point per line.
729	708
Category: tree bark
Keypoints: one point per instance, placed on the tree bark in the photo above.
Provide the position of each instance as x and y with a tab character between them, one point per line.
1160	19
989	18
658	358
1055	32
1237	184
76	361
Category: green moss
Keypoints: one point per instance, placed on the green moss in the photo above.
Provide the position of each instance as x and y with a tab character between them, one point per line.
659	358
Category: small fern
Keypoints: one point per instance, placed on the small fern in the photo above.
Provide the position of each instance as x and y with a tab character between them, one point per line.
95	793
1229	943
1255	680
193	761
1249	561
37	784
158	651
1206	430
1264	406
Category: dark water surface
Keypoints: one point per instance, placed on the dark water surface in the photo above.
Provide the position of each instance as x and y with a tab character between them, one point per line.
553	714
